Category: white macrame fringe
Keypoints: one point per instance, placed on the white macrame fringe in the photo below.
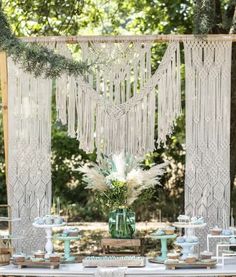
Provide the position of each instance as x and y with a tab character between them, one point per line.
207	179
29	168
113	108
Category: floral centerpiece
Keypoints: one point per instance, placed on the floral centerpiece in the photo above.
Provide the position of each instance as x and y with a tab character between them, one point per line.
119	182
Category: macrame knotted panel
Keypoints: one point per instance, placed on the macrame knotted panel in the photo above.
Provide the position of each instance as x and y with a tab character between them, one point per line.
112	108
207	181
29	169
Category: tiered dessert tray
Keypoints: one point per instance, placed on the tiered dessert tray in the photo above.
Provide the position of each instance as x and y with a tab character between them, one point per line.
188	247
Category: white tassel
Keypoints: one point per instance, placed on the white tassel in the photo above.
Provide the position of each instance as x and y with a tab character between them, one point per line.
118	101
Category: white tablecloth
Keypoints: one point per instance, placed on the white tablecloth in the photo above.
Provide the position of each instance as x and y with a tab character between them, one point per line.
150	270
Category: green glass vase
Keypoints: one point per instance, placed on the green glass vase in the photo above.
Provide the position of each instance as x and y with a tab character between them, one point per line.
122	223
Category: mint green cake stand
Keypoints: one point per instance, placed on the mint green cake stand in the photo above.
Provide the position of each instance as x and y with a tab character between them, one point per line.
164	250
67	240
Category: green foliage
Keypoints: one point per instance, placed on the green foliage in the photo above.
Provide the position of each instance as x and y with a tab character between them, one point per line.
35	58
53	17
113	198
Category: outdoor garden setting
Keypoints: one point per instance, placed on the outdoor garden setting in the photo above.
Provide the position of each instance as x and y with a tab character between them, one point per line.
117	138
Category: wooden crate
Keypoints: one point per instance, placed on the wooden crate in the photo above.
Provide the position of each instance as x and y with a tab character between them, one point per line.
43	264
136	245
198	264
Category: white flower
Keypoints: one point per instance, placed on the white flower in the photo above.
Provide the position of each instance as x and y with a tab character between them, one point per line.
119	162
135	177
115	176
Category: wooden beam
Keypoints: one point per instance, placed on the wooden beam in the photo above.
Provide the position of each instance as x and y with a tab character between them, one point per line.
4	91
121	38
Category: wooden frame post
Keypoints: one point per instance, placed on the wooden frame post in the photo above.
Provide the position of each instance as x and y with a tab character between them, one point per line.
4	91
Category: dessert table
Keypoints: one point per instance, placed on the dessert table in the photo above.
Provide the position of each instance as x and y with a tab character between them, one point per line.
150	270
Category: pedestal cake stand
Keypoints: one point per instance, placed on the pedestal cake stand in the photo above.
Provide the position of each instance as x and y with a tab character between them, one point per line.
48	230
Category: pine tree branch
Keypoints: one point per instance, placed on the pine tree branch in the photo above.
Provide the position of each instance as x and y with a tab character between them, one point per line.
34	58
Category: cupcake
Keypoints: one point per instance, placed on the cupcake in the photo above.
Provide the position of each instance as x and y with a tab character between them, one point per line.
180	239
18	258
48	220
54	258
39	254
173	256
227	232
58	220
232	240
216	231
183	218
206	255
169	230
197	220
39	220
73	232
159	232
191	259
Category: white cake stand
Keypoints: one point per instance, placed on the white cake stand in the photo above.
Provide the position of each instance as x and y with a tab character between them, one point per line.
189	231
48	230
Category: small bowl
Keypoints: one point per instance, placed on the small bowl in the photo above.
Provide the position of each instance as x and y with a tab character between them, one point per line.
216	232
19	258
54	258
39	255
206	255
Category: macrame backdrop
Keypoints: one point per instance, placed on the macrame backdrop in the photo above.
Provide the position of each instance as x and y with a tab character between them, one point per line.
113	107
29	169
207	181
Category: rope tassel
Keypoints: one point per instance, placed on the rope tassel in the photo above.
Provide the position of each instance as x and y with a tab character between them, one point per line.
113	107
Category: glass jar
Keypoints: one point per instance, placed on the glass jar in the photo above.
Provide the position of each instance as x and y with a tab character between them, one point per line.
122	223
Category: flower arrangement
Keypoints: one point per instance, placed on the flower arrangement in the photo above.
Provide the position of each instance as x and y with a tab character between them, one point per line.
119	181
